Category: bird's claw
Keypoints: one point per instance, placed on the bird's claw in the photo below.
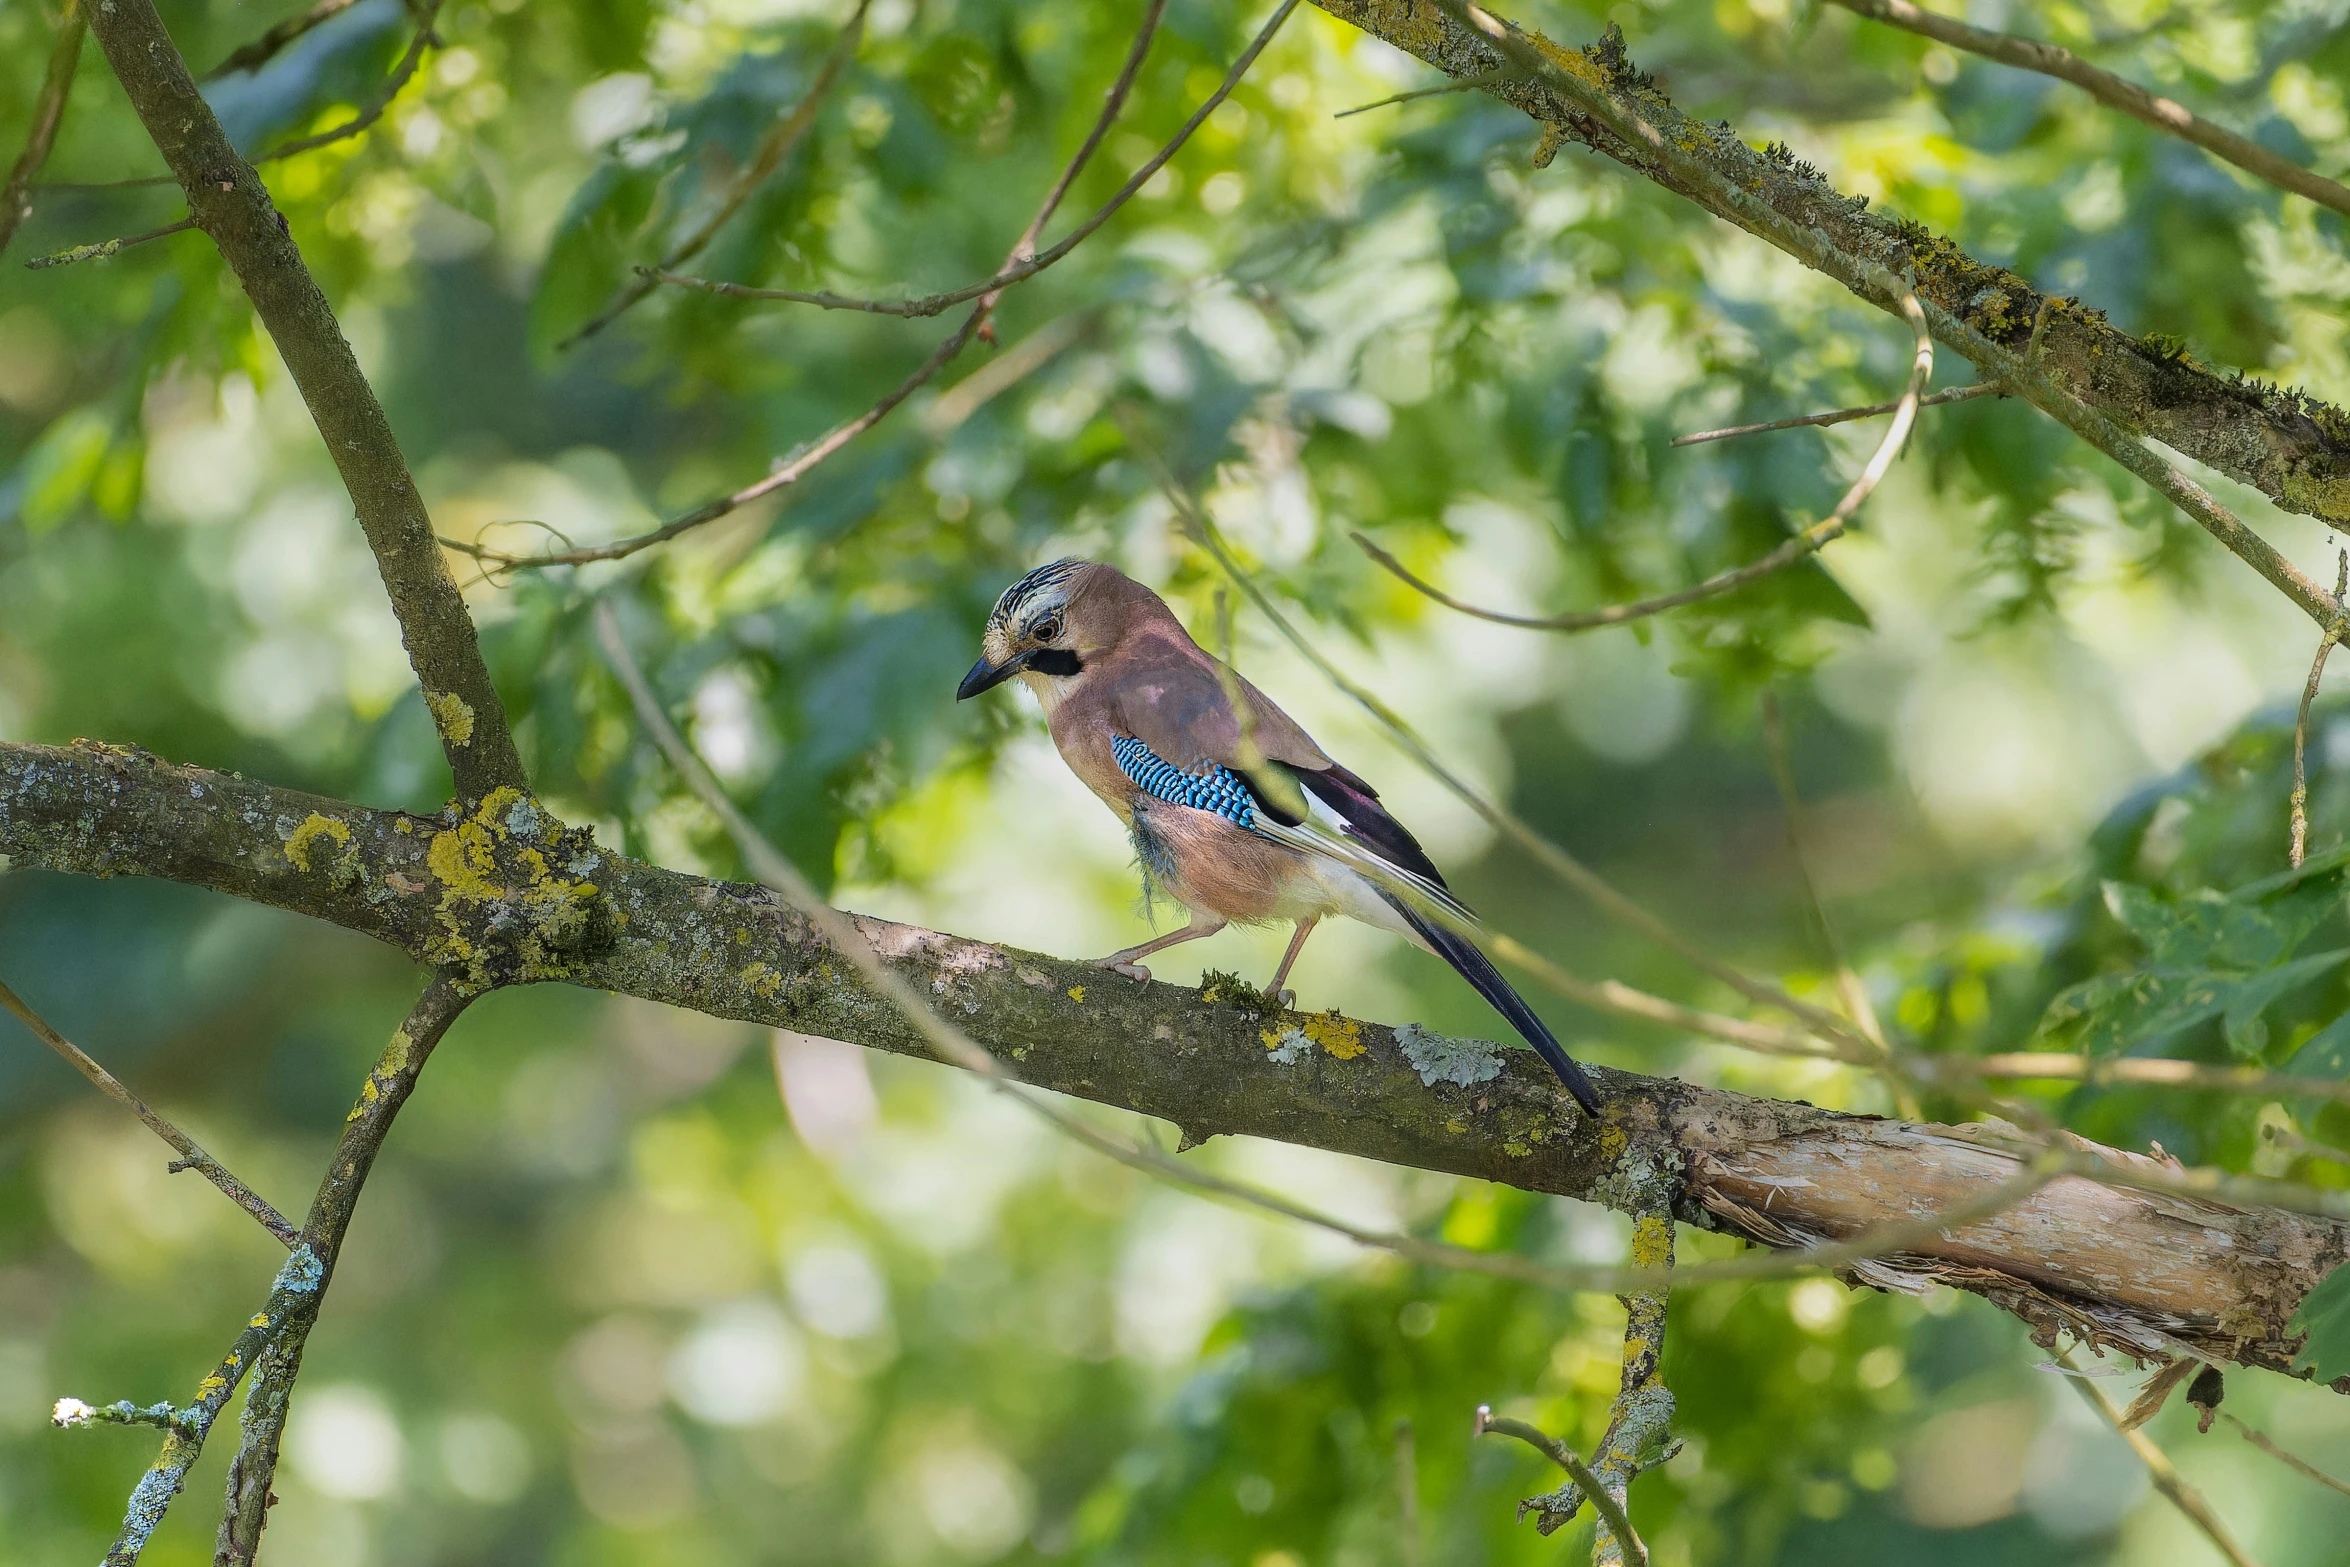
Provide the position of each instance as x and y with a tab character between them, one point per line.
1133	971
1286	1000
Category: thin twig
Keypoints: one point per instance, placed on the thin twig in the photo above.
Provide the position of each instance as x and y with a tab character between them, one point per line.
1811	540
48	112
951	1044
1955	394
192	1157
374	110
99	252
797	467
381	1094
2114	92
2058	1066
1467	84
264	48
775	147
2303	1466
1025	265
2185	1497
1611	1512
2299	848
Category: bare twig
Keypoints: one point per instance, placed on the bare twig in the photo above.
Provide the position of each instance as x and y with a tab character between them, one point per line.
952	1045
1955	394
2299	812
381	1095
375	107
2300	1465
265	48
2058	1066
2167	1479
192	1157
2114	92
1613	1519
232	205
105	248
1808	542
48	111
797	467
1470	84
776	146
297	1285
1026	262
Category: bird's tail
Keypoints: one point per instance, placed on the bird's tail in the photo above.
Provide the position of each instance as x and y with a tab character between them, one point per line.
1475	967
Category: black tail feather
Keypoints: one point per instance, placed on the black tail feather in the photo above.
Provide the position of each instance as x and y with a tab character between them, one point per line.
1475	967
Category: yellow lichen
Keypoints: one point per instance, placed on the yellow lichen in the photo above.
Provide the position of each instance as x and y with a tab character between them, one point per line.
1077	994
315	828
762	981
396	1053
453	716
1340	1036
1612	1142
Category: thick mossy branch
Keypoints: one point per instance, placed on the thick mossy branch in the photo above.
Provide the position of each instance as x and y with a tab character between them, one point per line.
2291	448
232	206
506	894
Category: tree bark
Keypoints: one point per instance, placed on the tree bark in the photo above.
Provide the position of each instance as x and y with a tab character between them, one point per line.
506	894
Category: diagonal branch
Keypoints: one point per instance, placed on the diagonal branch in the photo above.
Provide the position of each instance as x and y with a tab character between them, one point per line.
2113	91
2190	1501
2106	387
192	1157
262	50
48	112
374	109
381	1095
776	146
230	204
1955	394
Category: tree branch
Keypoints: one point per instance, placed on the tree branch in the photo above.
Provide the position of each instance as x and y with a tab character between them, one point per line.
2103	385
230	203
2113	91
48	111
2186	1498
375	107
192	1157
381	1095
263	49
505	894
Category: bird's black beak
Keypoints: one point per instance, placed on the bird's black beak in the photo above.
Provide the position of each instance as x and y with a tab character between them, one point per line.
985	676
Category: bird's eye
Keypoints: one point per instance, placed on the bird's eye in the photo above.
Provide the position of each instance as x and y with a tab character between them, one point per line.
1045	629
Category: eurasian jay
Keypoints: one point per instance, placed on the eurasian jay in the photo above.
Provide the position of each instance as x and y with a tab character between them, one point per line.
1145	718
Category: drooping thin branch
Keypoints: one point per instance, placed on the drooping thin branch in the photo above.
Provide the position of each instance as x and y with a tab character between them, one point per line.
2109	389
774	148
1613	1520
105	248
1473	84
381	1094
373	109
2299	811
2299	1465
2113	91
798	466
2057	1066
192	1157
231	205
48	112
1556	859
2165	1475
263	49
1807	542
1955	394
1026	262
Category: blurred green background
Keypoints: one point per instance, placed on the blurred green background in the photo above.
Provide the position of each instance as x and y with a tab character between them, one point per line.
633	1286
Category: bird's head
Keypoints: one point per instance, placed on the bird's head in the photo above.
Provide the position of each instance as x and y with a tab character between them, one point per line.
1045	628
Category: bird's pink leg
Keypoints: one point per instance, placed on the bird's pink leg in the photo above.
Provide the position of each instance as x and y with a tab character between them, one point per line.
1124	962
1297	943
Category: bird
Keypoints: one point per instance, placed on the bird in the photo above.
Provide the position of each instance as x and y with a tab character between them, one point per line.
1234	811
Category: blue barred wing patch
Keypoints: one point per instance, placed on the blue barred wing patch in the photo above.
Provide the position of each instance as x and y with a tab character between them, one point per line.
1216	789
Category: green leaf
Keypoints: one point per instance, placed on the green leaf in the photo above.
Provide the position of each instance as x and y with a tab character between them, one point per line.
2247	1033
2117	1011
2324	1315
2203	929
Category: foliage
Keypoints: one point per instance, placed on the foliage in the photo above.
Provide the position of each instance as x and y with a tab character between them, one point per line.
606	1303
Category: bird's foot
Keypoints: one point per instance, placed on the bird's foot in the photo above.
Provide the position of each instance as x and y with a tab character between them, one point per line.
1286	1000
1119	965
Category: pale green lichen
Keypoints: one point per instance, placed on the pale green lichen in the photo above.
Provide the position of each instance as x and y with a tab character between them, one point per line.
1466	1062
452	715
